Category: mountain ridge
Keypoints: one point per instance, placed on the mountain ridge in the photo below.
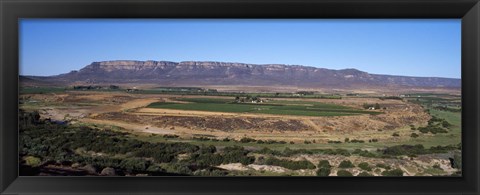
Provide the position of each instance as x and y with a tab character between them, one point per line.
234	73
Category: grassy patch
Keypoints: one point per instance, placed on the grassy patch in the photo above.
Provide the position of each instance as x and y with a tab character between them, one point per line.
298	108
41	90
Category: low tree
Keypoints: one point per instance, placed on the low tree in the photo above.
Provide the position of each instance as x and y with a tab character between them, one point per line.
346	164
324	168
394	172
365	166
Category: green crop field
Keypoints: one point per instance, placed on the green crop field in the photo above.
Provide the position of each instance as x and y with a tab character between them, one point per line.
41	90
298	108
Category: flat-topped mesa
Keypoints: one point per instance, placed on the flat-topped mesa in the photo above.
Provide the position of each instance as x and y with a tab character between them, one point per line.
128	65
233	73
213	63
136	65
246	65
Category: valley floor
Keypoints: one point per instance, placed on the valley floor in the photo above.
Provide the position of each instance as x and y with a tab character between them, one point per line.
316	129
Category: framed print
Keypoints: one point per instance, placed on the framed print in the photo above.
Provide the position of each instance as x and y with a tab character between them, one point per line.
240	97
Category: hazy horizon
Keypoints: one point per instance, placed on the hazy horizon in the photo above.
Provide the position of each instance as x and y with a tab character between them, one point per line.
418	48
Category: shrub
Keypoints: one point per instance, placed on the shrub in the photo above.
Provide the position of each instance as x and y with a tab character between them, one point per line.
247	140
324	163
364	153
324	168
364	173
457	161
269	151
414	135
344	173
154	168
357	141
346	164
293	165
432	129
404	150
395	134
134	164
201	138
226	139
236	154
210	172
394	172
168	136
208	149
365	166
334	142
446	124
324	171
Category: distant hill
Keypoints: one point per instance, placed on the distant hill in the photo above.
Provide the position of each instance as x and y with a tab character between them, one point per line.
198	73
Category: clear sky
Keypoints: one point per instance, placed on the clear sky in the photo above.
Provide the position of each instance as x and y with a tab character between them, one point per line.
395	47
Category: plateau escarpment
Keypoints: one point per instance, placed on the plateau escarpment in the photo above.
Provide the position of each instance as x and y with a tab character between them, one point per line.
198	73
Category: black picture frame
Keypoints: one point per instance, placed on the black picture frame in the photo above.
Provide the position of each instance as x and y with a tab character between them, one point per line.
12	10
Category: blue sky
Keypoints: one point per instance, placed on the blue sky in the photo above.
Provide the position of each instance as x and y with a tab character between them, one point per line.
395	47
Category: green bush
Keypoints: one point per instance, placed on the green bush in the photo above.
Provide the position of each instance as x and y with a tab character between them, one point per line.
365	166
247	140
411	150
324	163
414	135
394	172
346	164
344	173
364	153
334	142
357	141
457	161
324	171
446	124
324	168
404	150
226	139
364	174
293	165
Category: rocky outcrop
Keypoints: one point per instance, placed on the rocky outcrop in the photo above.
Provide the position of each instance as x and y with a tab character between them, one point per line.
224	73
